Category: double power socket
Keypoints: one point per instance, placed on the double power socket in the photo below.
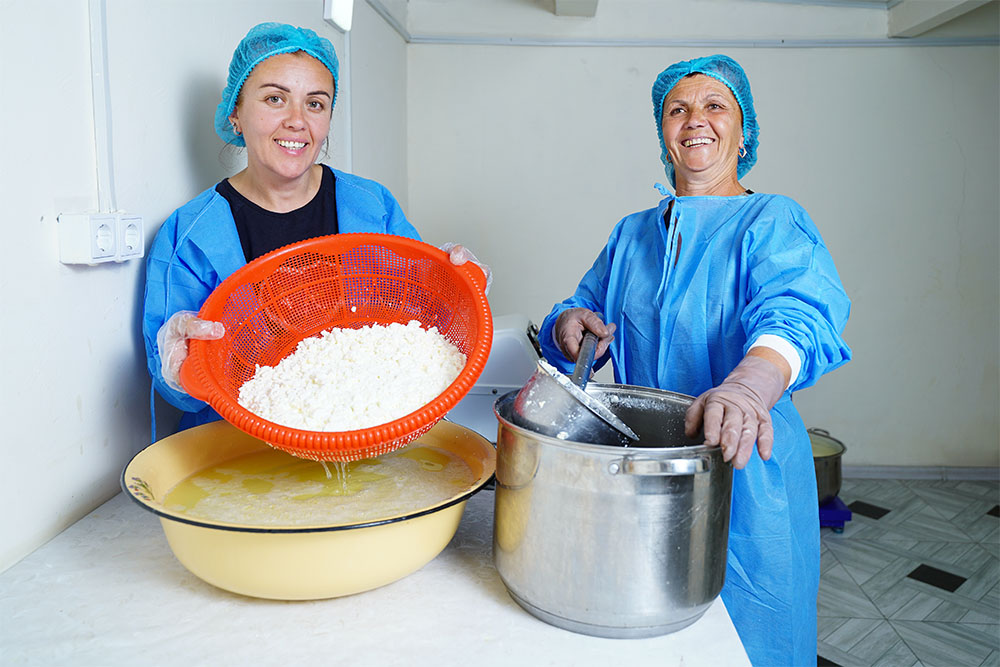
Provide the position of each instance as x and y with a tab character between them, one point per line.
92	238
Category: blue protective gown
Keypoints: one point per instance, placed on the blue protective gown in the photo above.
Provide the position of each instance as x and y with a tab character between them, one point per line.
198	247
689	296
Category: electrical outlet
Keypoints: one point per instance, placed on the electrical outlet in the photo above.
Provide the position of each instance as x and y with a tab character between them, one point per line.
130	237
92	238
103	237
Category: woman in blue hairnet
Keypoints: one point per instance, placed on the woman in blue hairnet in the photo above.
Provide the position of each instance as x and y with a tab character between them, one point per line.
278	102
731	296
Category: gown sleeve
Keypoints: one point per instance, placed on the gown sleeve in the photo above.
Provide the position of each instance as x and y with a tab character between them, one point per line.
794	292
395	220
591	294
176	279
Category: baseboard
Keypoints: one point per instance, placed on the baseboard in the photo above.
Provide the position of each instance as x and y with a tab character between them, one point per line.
921	472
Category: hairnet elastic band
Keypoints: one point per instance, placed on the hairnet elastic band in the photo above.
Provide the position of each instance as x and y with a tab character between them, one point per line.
290	49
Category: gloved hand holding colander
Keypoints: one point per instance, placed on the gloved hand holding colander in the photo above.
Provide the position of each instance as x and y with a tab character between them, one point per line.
459	254
737	413
172	342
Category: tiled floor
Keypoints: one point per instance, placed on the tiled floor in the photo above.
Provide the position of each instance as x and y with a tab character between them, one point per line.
919	584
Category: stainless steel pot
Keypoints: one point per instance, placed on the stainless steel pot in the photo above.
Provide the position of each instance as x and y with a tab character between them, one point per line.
607	540
827	452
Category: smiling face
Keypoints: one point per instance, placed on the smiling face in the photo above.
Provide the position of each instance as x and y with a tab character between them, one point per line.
702	132
283	113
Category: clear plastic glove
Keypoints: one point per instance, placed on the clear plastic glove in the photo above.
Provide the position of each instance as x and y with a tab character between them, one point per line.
172	341
459	254
737	413
569	329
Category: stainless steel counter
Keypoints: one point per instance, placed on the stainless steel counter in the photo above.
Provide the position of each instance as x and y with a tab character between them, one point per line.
108	591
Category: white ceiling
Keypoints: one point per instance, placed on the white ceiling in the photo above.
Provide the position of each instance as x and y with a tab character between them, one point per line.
907	18
897	18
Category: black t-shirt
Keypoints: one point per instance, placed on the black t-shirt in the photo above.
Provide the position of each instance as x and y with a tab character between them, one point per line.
262	231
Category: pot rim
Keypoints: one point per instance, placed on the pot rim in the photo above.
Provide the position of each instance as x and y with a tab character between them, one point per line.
823	433
678	451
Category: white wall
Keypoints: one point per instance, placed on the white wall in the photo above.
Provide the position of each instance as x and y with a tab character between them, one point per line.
379	113
66	341
75	392
893	151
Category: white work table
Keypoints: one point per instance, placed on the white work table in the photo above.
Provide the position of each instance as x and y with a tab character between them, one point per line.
108	591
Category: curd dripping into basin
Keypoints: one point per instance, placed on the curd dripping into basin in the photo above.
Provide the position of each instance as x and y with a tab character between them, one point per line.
272	488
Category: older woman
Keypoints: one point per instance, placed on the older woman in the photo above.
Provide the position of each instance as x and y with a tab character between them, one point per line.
278	102
730	296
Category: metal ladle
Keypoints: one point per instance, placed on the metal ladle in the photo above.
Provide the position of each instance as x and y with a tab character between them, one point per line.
555	405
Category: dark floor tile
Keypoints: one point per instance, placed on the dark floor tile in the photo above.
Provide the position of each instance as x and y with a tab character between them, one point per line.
821	662
995	511
935	577
868	510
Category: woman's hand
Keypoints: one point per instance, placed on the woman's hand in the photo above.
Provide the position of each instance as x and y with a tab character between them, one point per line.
737	413
459	254
570	327
172	341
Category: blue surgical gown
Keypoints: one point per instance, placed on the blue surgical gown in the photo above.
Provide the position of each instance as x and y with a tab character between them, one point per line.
689	295
198	247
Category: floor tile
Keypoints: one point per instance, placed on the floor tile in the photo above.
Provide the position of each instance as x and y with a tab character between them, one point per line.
862	559
946	581
890	601
963	558
992	596
946	499
982	488
881	640
899	655
826	559
827	624
992	537
944	643
978	618
891	576
888	493
838	656
981	583
840	596
919	526
901	596
850	633
917	608
948	612
868	510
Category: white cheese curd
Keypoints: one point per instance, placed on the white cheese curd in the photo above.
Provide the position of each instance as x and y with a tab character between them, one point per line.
349	379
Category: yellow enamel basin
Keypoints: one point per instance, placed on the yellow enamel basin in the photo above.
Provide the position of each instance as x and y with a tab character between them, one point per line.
300	562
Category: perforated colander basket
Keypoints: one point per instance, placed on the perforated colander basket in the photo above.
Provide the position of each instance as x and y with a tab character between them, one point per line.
346	281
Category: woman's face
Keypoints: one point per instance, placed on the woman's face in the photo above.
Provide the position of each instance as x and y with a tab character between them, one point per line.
283	113
702	129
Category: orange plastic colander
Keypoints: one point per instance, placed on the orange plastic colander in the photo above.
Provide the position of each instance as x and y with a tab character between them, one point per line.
347	281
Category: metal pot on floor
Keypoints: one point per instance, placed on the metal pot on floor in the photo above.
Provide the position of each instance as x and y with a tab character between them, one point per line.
609	540
827	453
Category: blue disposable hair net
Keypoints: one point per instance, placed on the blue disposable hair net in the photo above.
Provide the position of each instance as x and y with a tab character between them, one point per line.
262	42
729	72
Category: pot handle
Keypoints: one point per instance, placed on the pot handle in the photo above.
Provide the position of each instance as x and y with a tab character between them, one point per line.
660	467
